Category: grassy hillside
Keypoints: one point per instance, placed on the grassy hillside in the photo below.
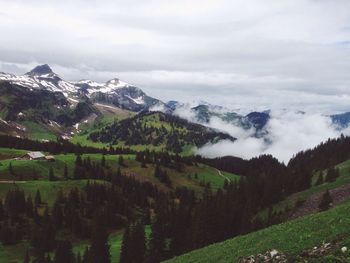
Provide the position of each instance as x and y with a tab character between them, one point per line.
9	153
108	115
157	131
291	238
190	176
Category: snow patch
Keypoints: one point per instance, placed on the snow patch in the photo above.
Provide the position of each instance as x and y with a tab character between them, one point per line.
105	106
138	100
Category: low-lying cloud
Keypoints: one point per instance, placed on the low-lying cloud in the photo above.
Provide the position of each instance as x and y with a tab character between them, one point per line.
287	133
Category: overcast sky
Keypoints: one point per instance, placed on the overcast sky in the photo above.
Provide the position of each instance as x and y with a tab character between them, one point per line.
240	53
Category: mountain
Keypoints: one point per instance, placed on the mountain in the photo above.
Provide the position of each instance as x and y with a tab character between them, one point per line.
173	104
122	95
42	105
342	119
257	120
114	91
40	70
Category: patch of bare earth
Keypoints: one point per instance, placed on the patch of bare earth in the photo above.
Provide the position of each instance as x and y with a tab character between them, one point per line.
311	205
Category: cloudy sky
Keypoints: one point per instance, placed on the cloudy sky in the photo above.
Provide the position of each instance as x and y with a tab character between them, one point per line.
240	53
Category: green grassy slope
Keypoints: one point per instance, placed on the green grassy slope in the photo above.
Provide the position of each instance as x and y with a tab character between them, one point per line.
291	238
26	168
9	153
109	114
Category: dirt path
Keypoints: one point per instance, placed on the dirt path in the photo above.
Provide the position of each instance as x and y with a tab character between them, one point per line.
338	195
220	173
12	182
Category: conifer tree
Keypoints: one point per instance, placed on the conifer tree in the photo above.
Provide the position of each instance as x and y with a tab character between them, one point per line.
37	198
65	172
138	242
121	160
103	161
26	257
2	211
99	250
63	253
11	171
78	160
57	215
86	255
326	201
51	174
125	253
78	258
29	206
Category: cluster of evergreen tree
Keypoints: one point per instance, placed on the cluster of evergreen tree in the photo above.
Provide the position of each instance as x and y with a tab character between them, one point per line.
98	205
134	243
183	222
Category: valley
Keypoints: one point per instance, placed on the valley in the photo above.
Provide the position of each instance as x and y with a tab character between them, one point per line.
94	170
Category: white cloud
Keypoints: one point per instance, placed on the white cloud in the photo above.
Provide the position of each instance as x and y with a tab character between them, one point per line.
245	53
288	132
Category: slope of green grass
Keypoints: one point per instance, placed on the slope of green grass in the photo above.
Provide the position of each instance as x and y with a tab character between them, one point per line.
82	139
8	153
42	167
291	238
25	169
39	131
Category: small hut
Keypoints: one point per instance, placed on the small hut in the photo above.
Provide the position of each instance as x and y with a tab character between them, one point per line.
33	156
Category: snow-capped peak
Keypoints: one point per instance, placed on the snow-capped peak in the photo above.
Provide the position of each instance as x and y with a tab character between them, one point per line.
116	83
113	91
91	83
40	70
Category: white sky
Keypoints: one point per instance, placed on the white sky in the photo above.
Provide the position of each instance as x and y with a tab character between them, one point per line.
240	53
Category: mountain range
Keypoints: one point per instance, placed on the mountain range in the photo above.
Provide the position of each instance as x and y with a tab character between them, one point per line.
42	98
